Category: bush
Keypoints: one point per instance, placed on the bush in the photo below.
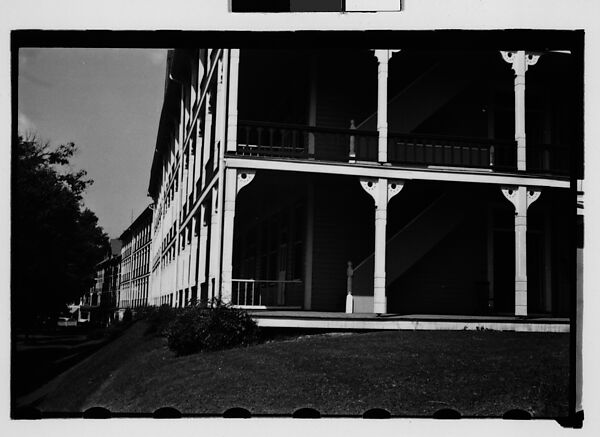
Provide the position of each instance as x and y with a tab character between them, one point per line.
127	316
157	318
197	329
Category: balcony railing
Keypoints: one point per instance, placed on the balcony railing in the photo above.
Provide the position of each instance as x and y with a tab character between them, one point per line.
408	149
294	141
277	140
548	158
252	293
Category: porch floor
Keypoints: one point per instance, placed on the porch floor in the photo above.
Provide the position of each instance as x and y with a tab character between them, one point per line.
371	321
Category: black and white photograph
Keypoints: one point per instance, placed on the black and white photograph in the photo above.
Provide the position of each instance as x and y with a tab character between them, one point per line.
315	223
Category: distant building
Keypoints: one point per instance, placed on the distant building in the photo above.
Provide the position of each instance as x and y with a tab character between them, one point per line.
135	263
429	172
98	305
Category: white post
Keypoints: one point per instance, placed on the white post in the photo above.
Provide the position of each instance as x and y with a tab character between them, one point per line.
382	191
383	57
214	255
520	61
235	180
521	198
228	223
232	116
207	139
203	240
349	298
379	298
352	154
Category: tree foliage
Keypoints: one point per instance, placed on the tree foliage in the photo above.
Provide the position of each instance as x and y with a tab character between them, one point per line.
56	241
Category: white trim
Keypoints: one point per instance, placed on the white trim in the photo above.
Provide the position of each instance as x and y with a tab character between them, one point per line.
378	171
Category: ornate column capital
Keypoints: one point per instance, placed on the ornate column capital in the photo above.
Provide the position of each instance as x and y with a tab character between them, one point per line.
244	177
384	55
373	187
520	60
515	196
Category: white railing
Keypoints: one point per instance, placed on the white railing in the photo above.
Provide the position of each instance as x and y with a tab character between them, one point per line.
256	293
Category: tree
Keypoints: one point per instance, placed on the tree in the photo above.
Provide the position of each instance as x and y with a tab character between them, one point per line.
56	241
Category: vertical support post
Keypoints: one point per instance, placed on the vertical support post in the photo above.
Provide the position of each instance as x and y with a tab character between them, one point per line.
521	198
208	135
232	116
521	254
308	247
379	298
382	190
202	246
352	153
520	61
349	298
228	224
383	57
214	256
216	250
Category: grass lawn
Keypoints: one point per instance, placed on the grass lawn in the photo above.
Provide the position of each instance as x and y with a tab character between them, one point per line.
478	373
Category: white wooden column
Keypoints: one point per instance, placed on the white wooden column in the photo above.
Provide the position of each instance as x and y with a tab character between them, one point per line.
382	190
214	257
383	57
232	114
202	246
235	180
521	198
207	139
520	61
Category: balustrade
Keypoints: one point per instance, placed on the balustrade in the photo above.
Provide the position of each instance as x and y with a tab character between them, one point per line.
264	139
266	293
408	149
278	140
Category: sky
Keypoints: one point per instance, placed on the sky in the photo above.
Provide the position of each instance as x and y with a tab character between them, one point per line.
107	102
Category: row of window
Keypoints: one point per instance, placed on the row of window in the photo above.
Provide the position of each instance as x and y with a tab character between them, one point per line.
179	299
135	295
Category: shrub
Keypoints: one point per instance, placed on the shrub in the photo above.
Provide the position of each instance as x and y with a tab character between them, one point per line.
157	318
127	316
197	329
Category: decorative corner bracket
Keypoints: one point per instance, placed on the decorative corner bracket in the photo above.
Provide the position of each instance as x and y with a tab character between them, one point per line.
394	187
370	186
515	194
244	177
513	57
374	186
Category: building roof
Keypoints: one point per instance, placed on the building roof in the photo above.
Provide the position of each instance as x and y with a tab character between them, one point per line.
162	136
144	218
